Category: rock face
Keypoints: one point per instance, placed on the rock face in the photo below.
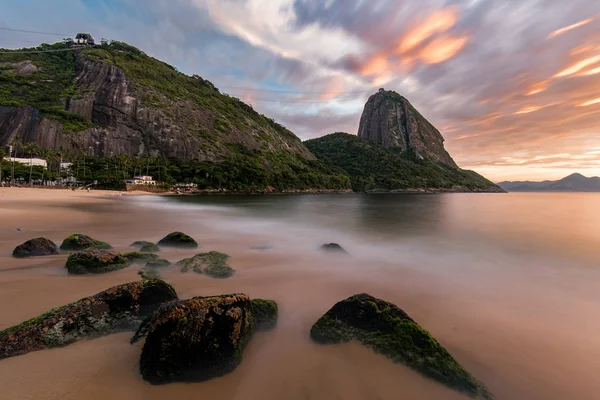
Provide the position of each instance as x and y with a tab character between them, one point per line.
79	242
213	264
178	239
195	340
390	120
265	313
149	248
36	247
390	331
95	262
120	308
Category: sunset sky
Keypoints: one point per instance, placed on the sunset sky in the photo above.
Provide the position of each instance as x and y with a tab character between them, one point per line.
513	85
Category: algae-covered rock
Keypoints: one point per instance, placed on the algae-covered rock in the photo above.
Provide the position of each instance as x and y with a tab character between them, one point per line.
79	242
149	248
138	244
95	262
120	308
135	257
264	312
195	340
333	248
213	264
158	263
149	273
178	239
390	331
36	247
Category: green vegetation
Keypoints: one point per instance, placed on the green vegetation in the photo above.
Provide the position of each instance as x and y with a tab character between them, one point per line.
79	241
374	167
135	257
390	331
213	264
264	313
95	262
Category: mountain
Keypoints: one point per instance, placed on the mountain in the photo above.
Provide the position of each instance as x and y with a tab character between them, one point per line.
390	120
572	183
113	100
374	167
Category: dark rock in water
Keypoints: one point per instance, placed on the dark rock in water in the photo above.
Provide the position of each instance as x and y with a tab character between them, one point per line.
149	248
117	309
333	248
95	262
263	247
158	263
265	313
149	273
139	244
178	239
36	247
78	242
390	331
195	340
135	257
213	264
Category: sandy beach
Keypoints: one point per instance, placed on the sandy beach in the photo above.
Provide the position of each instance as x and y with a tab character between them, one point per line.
517	353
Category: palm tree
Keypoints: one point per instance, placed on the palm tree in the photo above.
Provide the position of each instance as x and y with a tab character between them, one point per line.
2	155
15	143
31	148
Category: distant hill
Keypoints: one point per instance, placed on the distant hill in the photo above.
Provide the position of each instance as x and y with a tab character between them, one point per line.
572	183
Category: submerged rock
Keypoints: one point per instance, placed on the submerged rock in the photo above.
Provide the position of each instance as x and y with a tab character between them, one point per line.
265	313
95	262
149	273
135	257
213	264
333	248
149	248
36	247
79	241
178	239
390	331
195	340
139	244
158	263
120	308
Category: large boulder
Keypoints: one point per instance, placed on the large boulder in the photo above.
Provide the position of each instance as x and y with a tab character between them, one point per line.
149	248
158	263
136	257
264	312
390	331
138	244
95	262
120	308
195	340
79	242
36	247
178	239
333	248
213	264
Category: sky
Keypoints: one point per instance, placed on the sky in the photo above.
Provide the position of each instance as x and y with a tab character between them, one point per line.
512	85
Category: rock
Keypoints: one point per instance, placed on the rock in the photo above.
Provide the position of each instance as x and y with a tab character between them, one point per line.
36	247
78	242
333	248
149	273
213	264
149	248
139	244
390	120
178	239
95	262
135	257
265	313
159	263
195	340
390	331
120	308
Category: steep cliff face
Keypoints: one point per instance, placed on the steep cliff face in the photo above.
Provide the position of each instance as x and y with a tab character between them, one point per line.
390	120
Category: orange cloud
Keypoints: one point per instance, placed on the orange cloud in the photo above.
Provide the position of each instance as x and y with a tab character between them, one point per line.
442	48
589	72
527	110
538	87
437	21
375	65
570	27
590	102
578	66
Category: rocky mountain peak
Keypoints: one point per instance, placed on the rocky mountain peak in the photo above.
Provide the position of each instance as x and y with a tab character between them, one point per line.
390	120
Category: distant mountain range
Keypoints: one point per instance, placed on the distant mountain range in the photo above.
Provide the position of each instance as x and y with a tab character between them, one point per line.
571	183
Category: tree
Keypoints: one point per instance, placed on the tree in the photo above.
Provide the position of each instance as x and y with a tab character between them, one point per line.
2	156
31	148
15	143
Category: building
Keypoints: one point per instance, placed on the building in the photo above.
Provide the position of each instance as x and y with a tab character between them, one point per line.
141	180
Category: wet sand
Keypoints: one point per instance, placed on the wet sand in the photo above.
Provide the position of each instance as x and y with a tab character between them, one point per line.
523	338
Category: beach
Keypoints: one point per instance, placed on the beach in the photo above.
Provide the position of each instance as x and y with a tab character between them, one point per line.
522	336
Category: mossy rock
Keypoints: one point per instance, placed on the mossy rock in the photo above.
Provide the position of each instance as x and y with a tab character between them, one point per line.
195	340
135	257
35	248
265	313
79	242
333	248
213	264
149	248
139	244
390	331
117	309
149	273
178	239
95	262
158	263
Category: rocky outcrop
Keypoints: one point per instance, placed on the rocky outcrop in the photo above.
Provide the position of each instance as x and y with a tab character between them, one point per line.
139	243
120	308
265	313
195	340
35	247
79	242
390	120
95	262
390	331
178	239
158	263
135	257
333	248
213	264
149	248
